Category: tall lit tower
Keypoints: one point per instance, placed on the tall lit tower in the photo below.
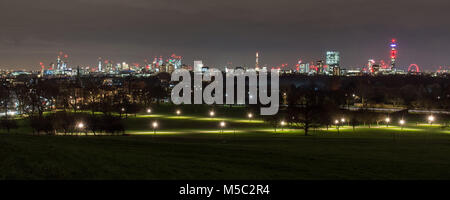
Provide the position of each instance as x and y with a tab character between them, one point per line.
99	64
393	47
64	62
58	63
257	61
333	61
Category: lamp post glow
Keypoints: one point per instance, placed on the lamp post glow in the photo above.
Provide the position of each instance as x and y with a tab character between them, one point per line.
155	126
178	112
283	123
250	116
222	125
402	123
149	110
387	120
343	121
212	113
80	125
431	119
122	110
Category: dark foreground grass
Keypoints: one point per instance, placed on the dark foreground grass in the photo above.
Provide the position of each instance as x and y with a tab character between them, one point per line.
370	154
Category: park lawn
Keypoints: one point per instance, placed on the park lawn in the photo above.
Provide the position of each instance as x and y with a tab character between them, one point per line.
363	154
193	147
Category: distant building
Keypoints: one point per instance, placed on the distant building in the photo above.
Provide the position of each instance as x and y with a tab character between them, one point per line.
257	61
100	64
304	68
337	71
320	66
333	61
375	68
393	45
198	65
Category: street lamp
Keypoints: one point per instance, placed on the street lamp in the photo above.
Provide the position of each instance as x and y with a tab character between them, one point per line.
431	119
80	125
122	110
387	121
283	123
250	115
343	121
212	113
178	112
336	122
149	110
402	123
222	125
154	125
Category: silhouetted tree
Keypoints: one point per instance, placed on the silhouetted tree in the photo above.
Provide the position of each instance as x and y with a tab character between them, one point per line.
8	124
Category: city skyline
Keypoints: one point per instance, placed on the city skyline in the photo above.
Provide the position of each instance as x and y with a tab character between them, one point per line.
219	32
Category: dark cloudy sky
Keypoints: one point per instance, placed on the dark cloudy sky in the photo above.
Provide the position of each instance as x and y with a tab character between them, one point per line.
223	31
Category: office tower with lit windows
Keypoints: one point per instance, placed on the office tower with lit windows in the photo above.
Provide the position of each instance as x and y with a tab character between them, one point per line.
332	60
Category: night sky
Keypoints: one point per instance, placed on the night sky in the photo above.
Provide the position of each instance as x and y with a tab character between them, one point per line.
223	31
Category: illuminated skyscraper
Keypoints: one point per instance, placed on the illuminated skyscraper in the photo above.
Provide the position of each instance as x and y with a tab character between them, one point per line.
370	65
176	61
257	61
393	47
58	63
332	60
64	62
99	64
161	61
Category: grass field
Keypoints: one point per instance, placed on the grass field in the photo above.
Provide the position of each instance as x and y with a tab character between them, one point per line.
190	147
